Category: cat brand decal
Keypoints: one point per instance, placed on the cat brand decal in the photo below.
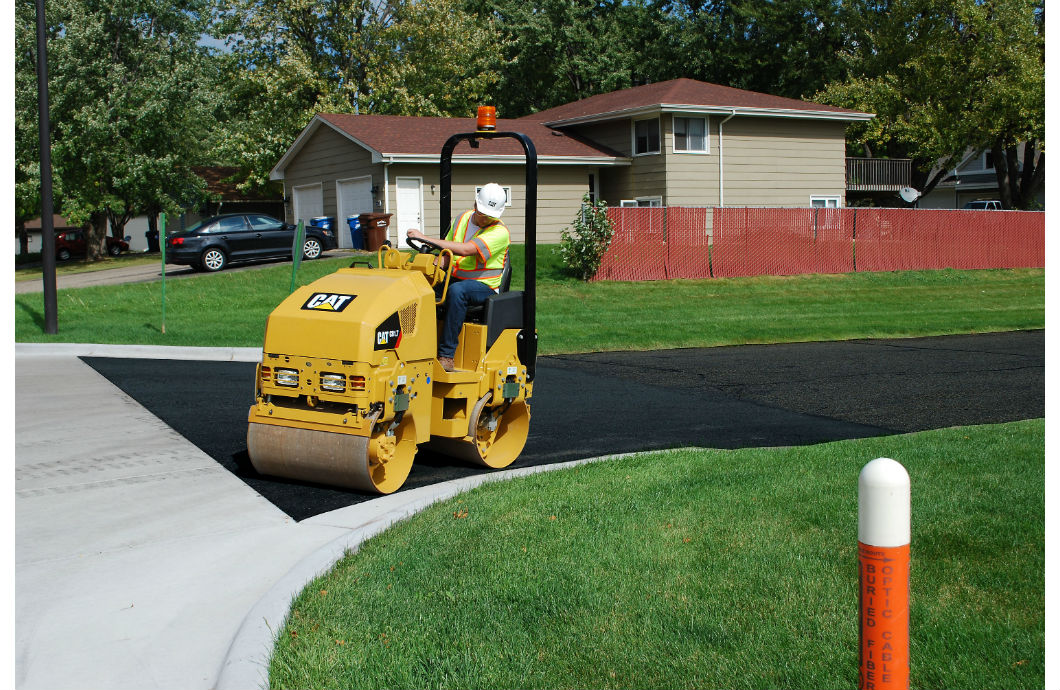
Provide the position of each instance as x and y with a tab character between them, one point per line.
328	301
388	335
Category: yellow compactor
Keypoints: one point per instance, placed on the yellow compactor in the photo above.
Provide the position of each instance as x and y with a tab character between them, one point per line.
349	385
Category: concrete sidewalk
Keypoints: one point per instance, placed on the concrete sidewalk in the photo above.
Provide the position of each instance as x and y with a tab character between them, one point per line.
140	562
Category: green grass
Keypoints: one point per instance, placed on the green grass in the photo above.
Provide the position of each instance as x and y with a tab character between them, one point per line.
690	569
229	309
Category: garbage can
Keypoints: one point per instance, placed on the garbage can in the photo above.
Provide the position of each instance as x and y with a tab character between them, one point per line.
374	227
152	240
322	222
356	236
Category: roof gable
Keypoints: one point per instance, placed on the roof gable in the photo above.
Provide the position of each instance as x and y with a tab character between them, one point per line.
687	94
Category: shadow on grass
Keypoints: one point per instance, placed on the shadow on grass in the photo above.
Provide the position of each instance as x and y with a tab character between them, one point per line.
37	316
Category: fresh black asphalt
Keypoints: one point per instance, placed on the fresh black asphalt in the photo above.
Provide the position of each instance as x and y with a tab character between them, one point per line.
588	405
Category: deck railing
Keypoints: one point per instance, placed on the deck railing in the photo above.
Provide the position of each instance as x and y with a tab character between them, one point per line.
878	174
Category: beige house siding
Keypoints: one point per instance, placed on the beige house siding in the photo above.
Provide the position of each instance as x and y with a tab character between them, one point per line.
778	162
325	158
559	194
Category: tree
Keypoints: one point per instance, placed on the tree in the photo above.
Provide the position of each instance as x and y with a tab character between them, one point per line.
291	60
27	144
946	77
127	108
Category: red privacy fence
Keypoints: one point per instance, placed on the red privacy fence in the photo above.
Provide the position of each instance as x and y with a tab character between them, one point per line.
673	242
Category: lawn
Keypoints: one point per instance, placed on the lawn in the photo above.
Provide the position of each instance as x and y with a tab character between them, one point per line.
229	309
690	569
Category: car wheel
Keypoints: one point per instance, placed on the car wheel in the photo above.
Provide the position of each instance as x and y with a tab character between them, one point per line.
312	249
213	259
114	250
63	255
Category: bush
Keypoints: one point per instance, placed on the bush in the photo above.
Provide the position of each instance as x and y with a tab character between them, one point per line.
583	248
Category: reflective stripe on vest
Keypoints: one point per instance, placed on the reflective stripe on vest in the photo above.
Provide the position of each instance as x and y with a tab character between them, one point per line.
473	267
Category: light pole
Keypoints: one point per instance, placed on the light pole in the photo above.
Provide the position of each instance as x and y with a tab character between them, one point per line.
47	225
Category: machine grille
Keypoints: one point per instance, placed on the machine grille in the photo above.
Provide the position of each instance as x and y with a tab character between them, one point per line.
408	319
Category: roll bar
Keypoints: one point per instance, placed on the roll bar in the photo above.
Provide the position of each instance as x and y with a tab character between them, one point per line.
527	340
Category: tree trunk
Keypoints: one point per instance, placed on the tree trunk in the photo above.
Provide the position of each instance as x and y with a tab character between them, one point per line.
95	236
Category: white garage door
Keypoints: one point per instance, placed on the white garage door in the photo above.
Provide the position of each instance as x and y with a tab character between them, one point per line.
308	202
354	197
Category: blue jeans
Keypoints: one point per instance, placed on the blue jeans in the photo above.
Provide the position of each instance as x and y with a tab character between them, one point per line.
462	294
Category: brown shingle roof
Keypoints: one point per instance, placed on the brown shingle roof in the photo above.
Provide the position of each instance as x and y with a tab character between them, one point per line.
397	135
680	92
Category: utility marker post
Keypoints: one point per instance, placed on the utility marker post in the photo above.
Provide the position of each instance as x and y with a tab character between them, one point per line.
883	575
162	246
296	251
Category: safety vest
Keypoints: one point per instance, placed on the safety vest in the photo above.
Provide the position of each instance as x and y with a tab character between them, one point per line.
492	244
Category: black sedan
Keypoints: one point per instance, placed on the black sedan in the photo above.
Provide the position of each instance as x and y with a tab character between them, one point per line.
212	244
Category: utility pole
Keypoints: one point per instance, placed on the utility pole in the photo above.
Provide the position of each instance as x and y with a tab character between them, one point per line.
47	225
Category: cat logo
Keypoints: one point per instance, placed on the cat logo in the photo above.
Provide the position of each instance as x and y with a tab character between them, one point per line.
328	301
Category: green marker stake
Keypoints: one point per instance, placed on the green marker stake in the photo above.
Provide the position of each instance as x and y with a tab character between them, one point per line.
162	244
296	252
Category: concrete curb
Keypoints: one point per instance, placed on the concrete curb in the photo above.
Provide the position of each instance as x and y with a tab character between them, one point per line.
213	354
247	663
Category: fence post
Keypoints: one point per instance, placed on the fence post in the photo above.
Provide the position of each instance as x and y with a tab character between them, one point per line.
883	575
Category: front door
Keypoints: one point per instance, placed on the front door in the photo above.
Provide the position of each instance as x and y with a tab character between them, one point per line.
409	207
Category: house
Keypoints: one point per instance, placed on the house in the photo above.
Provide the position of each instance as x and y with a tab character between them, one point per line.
33	231
674	143
972	179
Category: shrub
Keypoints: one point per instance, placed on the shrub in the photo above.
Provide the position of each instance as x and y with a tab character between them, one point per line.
583	249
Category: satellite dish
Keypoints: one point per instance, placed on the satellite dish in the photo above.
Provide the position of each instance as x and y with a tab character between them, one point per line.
908	194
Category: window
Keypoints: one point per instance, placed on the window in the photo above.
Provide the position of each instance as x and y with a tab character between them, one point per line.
824	202
690	135
645	137
264	223
642	202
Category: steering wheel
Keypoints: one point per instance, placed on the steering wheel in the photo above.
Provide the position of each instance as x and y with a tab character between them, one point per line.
423	246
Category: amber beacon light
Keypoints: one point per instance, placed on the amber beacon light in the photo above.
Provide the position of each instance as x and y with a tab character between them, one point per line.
487	118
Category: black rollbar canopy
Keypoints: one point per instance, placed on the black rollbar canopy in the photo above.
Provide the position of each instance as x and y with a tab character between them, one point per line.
527	342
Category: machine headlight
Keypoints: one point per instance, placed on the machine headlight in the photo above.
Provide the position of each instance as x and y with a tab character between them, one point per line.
287	377
336	383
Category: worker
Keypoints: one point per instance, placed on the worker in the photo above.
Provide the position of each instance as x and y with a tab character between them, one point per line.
480	242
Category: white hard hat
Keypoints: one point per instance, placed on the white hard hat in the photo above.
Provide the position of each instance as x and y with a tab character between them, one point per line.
490	200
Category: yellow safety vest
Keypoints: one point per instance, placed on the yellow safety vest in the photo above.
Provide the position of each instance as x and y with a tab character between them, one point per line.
492	243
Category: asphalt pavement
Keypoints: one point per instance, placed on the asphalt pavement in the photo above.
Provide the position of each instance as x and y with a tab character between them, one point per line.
150	555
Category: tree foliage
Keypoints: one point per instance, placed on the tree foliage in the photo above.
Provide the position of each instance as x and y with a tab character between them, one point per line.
292	59
949	77
127	110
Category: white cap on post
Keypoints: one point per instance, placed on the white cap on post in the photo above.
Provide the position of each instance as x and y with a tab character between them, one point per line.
883	504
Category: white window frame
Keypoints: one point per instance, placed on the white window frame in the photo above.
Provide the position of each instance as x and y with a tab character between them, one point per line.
627	203
507	194
706	134
827	200
649	201
633	135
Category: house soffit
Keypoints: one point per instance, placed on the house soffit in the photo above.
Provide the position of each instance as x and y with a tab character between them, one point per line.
678	108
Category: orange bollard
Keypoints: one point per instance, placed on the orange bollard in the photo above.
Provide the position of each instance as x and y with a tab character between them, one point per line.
883	575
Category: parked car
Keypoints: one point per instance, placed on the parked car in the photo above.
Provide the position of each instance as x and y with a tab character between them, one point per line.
72	243
983	205
212	244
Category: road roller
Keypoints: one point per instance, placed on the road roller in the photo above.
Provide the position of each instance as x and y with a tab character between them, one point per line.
349	386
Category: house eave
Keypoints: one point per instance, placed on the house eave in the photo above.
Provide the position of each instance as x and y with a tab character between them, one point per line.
629	113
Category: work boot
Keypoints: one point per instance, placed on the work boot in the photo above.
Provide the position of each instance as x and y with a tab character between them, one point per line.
447	363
